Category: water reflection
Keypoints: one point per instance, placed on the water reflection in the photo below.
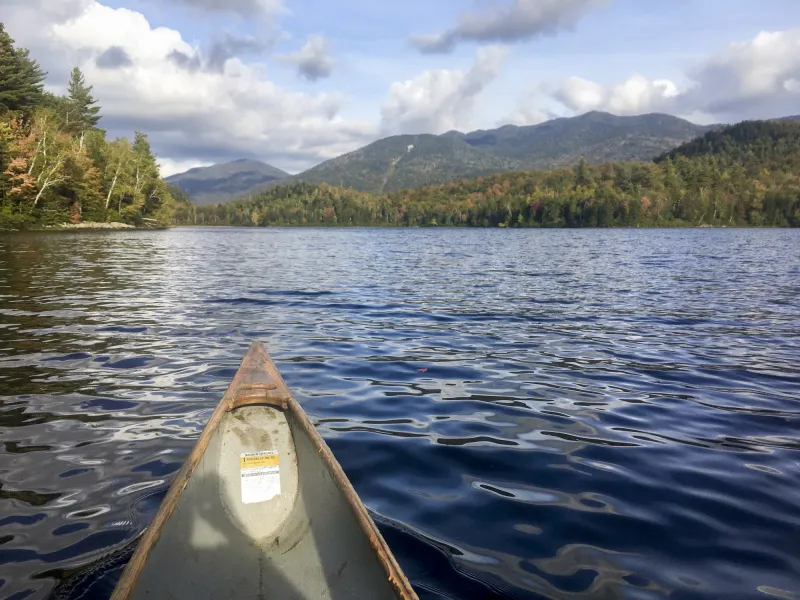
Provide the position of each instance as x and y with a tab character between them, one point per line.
554	414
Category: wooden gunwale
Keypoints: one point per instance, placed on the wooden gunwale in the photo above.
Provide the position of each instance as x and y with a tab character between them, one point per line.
248	388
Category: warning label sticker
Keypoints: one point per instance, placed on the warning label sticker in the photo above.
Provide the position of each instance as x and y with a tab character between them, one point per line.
261	476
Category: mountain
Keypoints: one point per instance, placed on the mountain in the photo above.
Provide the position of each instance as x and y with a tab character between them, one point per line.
750	144
411	161
744	174
219	183
596	136
408	161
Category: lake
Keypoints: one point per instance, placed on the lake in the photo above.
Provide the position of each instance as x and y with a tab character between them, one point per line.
527	414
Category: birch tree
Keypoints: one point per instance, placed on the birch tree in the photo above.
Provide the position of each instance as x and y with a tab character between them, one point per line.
40	160
117	176
147	184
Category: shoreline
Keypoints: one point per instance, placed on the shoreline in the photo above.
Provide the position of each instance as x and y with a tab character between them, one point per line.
491	227
92	226
89	225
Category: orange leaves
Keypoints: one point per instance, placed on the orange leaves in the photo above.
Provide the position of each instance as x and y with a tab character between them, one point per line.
17	165
75	212
22	183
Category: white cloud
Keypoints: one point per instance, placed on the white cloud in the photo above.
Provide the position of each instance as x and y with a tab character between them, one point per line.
580	94
244	8
748	80
169	167
634	96
199	114
526	115
520	20
101	27
312	60
438	101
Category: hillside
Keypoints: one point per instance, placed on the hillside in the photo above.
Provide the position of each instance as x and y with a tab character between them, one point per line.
596	136
743	175
751	145
392	163
407	161
223	182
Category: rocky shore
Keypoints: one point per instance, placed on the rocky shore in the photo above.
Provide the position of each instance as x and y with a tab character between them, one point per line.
148	224
92	225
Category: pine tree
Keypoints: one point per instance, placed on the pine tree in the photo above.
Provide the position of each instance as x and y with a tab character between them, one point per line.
582	175
149	191
20	77
83	114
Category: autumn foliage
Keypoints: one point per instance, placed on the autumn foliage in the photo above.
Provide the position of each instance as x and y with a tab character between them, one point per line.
747	175
55	163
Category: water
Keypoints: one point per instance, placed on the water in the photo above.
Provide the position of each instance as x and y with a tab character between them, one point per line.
527	414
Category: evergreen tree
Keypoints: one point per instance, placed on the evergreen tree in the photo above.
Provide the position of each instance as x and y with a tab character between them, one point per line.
582	175
20	77
145	171
82	113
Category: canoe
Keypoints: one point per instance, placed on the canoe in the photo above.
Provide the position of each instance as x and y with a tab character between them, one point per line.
261	509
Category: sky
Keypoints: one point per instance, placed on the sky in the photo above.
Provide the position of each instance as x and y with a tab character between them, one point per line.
296	82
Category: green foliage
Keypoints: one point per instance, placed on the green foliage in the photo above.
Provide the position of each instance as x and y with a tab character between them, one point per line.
81	112
750	178
751	144
407	161
20	77
598	137
56	166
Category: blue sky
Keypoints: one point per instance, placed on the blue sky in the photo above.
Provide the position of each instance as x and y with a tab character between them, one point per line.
299	81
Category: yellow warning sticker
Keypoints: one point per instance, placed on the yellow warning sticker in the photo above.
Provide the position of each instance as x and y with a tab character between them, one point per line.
260	476
258	459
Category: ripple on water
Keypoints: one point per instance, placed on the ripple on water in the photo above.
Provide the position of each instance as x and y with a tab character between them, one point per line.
526	414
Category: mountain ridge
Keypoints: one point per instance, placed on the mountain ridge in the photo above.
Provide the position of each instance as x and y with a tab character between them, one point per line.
739	175
403	161
225	181
412	161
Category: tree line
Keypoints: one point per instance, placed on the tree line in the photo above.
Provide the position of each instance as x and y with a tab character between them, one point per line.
57	166
743	175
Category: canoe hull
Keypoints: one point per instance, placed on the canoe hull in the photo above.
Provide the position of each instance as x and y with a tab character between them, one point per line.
262	510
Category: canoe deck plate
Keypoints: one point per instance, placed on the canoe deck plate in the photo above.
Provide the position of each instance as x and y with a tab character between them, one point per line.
260	393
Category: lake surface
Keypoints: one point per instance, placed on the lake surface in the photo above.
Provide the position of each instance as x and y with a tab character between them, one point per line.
527	414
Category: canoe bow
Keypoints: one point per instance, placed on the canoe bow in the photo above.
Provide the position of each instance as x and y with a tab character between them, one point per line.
258	382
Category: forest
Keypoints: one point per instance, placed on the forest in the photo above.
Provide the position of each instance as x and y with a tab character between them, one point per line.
56	165
742	175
